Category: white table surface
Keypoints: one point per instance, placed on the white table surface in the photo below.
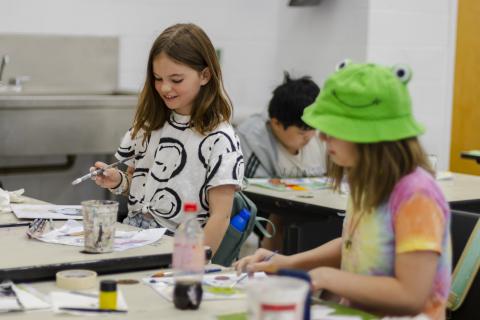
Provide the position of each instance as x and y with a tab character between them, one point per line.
459	188
143	303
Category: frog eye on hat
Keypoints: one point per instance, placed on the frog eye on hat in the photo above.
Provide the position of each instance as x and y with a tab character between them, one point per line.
402	72
342	64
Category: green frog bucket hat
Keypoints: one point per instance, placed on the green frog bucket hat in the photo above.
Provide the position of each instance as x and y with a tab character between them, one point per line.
365	103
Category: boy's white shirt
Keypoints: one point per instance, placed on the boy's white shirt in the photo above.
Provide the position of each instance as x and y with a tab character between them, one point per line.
309	162
261	150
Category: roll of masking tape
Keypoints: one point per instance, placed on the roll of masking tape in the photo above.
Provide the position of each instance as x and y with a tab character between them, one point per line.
76	279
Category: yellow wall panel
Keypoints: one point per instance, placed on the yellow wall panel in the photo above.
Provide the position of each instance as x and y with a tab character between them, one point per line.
466	95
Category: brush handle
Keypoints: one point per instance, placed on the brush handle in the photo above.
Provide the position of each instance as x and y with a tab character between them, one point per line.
100	171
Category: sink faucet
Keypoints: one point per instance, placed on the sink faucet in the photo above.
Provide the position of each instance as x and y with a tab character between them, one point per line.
18	81
5	60
14	83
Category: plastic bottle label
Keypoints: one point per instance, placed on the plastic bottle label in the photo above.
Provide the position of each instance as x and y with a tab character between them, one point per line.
188	257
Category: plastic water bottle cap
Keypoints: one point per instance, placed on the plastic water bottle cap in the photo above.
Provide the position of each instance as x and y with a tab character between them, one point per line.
190	207
239	222
245	214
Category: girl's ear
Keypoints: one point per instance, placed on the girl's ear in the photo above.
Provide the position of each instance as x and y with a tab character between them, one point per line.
205	76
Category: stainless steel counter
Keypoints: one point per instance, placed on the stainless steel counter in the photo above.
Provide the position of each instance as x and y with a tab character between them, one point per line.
32	125
67	101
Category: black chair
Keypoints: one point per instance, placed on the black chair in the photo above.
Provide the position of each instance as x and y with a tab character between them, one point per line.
466	205
462	225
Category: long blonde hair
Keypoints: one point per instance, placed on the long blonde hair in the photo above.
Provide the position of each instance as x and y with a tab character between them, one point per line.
380	166
187	44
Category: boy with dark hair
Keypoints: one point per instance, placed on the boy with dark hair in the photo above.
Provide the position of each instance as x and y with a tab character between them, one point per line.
282	145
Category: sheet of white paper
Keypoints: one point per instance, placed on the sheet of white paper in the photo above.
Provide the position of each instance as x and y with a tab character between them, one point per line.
30	298
62	299
8	298
8	197
417	317
308	184
332	317
318	312
164	286
8	304
47	211
70	234
443	175
16	196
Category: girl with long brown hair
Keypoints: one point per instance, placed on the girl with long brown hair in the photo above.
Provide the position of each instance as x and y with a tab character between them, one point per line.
183	144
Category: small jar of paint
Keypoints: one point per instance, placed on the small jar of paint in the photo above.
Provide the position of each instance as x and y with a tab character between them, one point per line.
108	295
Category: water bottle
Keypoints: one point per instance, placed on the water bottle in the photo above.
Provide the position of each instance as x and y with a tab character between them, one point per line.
240	220
188	260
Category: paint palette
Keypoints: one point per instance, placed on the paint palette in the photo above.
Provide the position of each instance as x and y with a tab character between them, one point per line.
215	287
220	281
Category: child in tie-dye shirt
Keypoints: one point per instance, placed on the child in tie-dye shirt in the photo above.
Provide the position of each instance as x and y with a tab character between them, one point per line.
394	256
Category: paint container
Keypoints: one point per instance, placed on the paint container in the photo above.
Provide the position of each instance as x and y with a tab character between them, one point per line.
99	218
107	299
276	297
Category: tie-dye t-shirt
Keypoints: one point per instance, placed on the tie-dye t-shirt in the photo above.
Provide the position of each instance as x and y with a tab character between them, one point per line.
415	218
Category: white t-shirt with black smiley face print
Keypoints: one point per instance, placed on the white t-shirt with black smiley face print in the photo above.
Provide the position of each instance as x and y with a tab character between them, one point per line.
178	165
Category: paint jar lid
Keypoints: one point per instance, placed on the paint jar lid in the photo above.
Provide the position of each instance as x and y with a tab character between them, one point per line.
108	285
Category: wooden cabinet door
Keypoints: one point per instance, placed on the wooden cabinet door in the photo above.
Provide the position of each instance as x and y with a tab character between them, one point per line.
466	96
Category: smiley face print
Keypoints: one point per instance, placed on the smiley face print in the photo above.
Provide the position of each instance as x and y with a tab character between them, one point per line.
127	149
170	158
219	141
166	203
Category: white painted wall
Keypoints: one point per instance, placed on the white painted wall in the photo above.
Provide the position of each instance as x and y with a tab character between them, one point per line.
313	40
422	35
260	39
245	30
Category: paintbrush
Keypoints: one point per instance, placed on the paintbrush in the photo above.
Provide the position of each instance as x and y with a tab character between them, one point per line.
100	170
239	279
